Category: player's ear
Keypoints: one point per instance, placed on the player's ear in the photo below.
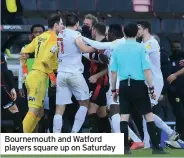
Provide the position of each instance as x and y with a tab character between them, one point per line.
56	25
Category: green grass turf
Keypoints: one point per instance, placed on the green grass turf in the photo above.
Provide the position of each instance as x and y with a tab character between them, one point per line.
136	153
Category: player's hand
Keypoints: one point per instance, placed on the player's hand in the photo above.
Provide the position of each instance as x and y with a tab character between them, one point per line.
24	56
171	78
151	91
13	94
115	96
93	79
53	84
22	93
181	62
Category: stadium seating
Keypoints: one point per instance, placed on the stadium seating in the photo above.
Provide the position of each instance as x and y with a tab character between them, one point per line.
29	6
86	5
103	5
171	26
161	6
67	5
32	21
155	26
165	43
182	25
114	21
116	5
50	5
123	5
176	5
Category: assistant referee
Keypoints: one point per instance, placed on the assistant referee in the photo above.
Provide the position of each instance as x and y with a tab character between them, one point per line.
131	63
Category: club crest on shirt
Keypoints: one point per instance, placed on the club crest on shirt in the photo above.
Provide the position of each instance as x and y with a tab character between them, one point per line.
148	46
54	49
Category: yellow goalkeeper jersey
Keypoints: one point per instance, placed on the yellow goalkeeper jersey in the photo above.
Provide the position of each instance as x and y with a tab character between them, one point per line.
46	50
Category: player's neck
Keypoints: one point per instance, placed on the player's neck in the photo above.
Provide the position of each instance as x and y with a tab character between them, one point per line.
71	28
131	38
99	37
52	30
146	38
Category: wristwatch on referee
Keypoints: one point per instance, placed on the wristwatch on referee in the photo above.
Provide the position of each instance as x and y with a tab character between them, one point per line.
151	90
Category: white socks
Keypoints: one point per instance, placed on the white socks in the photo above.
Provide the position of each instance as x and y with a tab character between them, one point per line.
116	128
57	123
133	136
116	123
162	125
146	135
79	119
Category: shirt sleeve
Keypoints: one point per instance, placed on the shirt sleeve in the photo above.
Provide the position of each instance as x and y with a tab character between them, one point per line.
77	34
30	48
152	47
50	51
145	59
114	62
98	45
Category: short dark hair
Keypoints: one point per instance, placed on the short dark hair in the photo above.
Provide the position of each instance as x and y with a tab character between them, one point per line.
37	25
54	18
145	24
71	20
100	27
131	30
176	42
116	29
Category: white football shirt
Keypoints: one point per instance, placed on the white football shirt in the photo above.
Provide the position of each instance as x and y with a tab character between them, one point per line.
70	56
153	50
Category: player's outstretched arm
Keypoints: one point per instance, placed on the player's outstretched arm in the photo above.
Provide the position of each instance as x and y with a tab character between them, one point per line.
174	76
180	72
98	45
82	46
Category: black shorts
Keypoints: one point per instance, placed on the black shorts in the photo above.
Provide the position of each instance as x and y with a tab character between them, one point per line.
99	99
6	100
134	96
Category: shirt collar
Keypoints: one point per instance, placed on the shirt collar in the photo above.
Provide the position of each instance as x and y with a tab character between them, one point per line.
130	40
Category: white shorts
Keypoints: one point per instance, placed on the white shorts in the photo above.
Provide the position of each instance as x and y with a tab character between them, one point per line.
110	100
68	84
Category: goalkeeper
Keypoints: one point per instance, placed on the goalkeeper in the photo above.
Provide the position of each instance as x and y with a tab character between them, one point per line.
45	48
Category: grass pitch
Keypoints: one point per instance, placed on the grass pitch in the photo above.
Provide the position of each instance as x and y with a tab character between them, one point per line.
136	153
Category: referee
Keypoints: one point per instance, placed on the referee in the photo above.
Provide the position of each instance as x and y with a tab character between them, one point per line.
130	62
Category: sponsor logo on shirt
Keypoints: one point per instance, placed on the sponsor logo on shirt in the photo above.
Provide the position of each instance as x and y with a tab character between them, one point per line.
148	46
54	49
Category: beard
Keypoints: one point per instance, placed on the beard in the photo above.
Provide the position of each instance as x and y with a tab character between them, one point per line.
86	32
